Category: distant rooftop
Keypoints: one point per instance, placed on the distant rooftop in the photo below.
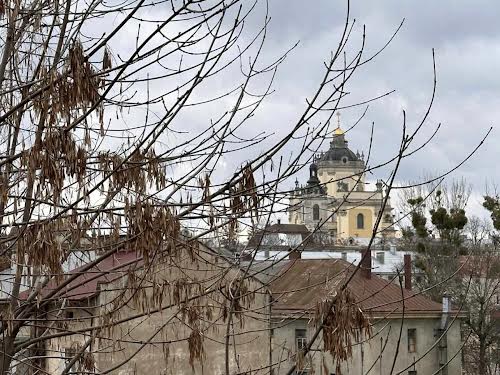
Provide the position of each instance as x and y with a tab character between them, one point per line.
302	283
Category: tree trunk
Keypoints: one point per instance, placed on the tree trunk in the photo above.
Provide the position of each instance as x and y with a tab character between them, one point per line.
7	351
483	368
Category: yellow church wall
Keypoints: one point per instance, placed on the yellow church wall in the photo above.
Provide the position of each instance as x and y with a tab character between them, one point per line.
368	221
330	180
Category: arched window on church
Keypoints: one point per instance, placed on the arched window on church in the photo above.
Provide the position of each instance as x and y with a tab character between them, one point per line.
315	212
360	221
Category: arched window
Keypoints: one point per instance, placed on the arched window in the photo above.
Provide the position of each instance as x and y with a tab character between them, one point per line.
360	221
315	212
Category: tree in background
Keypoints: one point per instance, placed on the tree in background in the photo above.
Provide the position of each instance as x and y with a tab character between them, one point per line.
459	256
480	290
437	233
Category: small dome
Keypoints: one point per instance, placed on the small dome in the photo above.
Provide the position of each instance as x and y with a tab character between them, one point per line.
338	131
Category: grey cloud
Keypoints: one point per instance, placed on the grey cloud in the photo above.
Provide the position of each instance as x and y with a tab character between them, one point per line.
467	42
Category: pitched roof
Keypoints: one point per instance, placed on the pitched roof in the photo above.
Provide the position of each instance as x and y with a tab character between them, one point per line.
303	283
293	229
86	284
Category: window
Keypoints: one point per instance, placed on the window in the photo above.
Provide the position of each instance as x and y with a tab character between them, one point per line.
412	372
360	221
342	186
315	212
300	339
69	353
412	340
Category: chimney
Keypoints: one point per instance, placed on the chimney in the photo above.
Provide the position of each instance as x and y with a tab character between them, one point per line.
294	254
366	263
244	256
407	270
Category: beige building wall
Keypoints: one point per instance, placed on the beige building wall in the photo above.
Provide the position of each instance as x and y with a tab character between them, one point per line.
157	342
331	176
57	348
376	353
367	228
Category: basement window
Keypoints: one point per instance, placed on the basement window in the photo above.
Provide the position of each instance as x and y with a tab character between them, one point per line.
412	340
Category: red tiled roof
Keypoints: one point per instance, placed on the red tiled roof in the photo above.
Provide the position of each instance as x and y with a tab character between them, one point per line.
303	283
86	285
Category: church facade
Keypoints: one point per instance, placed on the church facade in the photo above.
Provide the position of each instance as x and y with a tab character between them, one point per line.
335	199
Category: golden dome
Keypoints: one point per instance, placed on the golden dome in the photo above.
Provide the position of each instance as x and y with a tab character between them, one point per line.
338	131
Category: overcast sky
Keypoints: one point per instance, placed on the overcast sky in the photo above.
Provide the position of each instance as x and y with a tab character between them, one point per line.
466	39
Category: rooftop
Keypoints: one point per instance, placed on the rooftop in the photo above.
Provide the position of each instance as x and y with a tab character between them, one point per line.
302	283
392	260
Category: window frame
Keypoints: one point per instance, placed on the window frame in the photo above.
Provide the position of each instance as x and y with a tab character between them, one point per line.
358	221
300	339
315	210
412	340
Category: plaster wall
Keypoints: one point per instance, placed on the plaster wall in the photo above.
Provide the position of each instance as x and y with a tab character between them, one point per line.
375	353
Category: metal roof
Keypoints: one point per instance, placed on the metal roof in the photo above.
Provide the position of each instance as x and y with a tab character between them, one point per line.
392	261
305	282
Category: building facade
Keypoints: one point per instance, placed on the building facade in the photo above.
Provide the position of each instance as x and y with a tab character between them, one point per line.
336	196
408	331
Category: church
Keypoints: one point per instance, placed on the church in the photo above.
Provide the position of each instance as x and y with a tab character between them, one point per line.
336	197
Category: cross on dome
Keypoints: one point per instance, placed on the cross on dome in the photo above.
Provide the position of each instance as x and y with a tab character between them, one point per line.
338	131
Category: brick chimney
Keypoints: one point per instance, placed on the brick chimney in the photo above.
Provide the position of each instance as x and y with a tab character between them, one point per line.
366	263
246	256
294	254
407	270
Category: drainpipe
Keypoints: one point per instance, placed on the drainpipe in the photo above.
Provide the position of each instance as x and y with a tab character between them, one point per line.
443	342
446	311
270	310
